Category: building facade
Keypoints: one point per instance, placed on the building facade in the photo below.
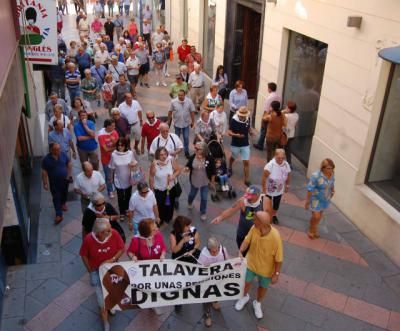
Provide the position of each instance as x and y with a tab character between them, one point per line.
335	66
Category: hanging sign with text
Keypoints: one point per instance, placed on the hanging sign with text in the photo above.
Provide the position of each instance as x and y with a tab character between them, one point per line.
38	24
153	283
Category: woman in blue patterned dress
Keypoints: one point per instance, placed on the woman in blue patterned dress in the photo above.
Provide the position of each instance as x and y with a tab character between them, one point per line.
320	190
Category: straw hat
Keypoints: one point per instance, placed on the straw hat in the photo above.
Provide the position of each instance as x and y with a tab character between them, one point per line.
243	111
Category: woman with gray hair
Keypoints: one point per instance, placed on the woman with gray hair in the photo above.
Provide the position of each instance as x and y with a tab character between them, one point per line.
90	90
201	168
214	252
102	245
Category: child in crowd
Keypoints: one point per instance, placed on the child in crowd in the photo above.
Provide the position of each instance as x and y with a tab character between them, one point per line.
221	172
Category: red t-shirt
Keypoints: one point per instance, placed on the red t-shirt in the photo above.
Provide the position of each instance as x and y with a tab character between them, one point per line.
98	252
182	53
109	140
150	132
139	247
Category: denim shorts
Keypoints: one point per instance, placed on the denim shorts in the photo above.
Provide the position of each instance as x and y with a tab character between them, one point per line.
243	152
96	283
262	280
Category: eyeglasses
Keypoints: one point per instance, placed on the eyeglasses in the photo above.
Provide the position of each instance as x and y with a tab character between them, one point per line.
100	204
150	117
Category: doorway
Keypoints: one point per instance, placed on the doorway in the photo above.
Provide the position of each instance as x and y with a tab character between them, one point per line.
303	82
246	48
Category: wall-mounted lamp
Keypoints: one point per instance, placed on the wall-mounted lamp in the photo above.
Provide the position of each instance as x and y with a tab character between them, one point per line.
272	1
354	21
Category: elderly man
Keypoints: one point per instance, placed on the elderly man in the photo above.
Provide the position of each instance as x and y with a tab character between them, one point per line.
83	60
168	140
63	137
102	245
54	100
99	72
89	181
181	111
150	130
85	140
56	175
183	51
120	90
119	25
73	81
132	65
116	69
248	205
177	86
102	55
121	124
192	58
132	111
83	26
264	260
109	25
197	86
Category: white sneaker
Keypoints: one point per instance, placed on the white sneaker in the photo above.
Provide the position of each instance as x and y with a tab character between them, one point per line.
190	206
167	74
158	84
257	309
203	217
226	188
242	302
164	84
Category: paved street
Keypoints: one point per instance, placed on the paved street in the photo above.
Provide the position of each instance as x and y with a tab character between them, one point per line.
339	282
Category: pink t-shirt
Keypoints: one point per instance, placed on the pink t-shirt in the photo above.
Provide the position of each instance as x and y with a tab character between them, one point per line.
139	247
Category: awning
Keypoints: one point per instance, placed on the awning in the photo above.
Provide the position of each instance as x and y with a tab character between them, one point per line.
391	54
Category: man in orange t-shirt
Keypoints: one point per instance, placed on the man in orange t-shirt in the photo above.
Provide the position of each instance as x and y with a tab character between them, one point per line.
107	138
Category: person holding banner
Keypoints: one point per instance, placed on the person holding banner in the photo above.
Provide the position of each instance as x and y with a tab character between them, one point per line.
214	252
149	244
102	245
264	260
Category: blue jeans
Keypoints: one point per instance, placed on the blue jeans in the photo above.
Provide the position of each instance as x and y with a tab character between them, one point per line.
107	173
260	143
126	7
185	134
73	93
203	197
96	283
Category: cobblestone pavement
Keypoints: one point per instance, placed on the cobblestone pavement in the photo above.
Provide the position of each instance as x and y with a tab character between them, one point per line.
340	282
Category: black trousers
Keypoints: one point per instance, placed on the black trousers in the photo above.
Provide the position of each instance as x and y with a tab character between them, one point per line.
123	199
165	211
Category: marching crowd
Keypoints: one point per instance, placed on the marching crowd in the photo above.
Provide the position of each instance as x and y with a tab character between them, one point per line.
103	70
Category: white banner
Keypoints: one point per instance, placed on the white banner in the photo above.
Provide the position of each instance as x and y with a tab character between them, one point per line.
153	283
38	24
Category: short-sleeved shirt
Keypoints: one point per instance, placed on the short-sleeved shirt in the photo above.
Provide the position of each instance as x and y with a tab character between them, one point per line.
90	185
63	119
175	88
99	74
97	252
139	247
133	62
181	112
172	143
49	110
63	138
196	79
277	178
237	126
142	207
264	251
120	163
130	112
57	169
117	70
321	189
106	139
72	75
86	145
150	132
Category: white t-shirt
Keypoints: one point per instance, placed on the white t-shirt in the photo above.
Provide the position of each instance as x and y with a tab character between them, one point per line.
277	178
292	119
142	207
120	164
130	112
133	63
162	172
168	143
90	185
64	119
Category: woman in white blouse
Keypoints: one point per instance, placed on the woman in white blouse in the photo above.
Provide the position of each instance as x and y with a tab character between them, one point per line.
292	118
164	171
121	164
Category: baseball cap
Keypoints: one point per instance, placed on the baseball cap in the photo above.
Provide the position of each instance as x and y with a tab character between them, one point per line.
252	192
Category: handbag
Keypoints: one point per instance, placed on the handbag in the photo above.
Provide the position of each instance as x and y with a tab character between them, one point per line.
137	176
283	139
177	189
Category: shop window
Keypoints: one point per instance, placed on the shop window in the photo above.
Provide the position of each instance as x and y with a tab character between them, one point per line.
210	10
383	175
303	82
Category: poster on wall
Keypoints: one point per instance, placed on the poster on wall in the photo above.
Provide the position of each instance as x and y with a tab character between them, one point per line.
149	284
38	23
